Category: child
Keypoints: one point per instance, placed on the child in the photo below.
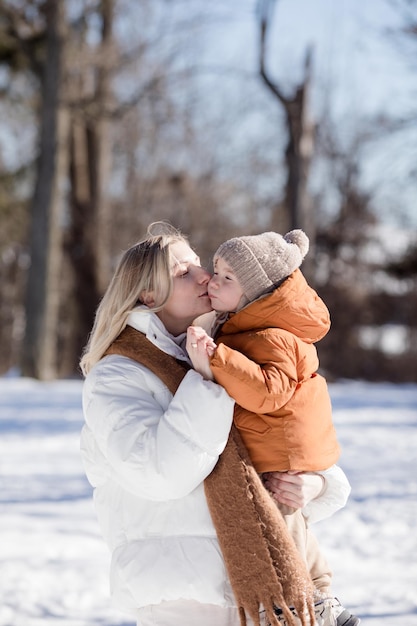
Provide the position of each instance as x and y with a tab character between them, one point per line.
268	319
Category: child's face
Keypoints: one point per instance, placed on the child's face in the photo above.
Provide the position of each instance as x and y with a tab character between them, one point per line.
223	289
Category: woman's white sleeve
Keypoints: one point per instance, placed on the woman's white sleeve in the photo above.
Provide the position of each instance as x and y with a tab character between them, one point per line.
333	497
157	446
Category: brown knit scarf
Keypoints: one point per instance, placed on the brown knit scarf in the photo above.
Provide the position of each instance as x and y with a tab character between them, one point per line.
263	564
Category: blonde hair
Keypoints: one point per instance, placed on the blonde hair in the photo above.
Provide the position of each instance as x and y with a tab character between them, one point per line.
144	267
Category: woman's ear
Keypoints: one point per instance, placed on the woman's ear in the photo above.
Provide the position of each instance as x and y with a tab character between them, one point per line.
147	298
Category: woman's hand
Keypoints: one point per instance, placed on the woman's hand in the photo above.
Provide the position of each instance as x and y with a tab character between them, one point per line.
200	347
295	489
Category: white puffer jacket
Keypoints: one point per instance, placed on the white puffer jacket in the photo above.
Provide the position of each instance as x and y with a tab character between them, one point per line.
146	453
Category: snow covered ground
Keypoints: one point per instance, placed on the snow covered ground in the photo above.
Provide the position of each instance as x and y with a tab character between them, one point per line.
54	564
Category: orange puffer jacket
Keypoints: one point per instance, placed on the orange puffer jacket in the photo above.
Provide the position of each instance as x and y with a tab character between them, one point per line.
267	362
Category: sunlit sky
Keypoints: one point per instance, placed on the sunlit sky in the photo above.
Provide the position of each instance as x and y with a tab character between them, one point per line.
354	54
361	69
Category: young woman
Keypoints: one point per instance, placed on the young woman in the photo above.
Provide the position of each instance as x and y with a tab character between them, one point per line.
170	511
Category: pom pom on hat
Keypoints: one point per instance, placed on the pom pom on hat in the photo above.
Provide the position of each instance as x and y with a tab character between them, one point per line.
260	262
300	239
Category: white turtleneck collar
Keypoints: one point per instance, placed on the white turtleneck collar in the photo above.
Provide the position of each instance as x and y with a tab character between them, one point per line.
148	323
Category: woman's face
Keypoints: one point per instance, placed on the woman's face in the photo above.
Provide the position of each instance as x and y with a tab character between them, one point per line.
189	298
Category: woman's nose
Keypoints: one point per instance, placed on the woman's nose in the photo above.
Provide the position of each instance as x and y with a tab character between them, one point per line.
203	276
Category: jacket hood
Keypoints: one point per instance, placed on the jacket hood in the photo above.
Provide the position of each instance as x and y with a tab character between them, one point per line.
294	306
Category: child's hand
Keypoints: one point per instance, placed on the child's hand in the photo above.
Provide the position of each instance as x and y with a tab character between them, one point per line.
200	347
295	489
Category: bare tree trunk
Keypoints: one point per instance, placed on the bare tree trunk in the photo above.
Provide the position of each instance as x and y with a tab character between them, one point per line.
88	243
101	150
43	286
300	143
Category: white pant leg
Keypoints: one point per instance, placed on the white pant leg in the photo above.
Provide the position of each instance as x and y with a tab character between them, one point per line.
189	613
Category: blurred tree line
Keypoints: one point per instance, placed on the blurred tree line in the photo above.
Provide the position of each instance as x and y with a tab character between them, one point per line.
111	120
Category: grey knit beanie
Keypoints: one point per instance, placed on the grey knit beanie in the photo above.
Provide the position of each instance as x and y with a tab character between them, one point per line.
260	262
